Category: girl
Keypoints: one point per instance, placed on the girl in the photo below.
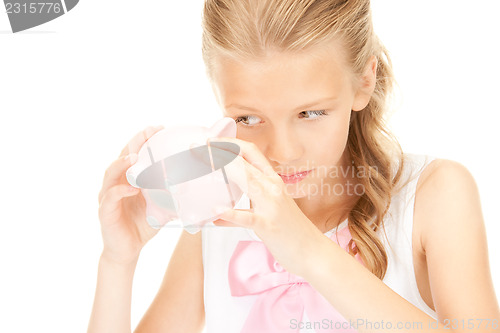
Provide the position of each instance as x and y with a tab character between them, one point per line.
345	232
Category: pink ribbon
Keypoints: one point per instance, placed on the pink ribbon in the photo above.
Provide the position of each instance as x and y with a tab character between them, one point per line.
282	297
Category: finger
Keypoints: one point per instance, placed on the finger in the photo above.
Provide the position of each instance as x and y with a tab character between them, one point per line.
259	186
110	202
135	144
252	172
239	217
222	223
251	153
115	173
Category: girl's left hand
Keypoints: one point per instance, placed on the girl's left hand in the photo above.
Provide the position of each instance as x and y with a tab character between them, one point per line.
288	234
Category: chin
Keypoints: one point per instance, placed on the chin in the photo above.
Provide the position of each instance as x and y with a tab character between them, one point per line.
295	192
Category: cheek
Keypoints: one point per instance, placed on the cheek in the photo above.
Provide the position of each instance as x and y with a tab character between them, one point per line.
330	140
333	129
255	136
328	147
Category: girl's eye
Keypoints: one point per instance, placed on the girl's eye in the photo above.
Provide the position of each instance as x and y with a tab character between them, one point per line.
317	113
313	115
242	120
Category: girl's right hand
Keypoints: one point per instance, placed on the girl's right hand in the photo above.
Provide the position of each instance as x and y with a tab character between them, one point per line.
122	208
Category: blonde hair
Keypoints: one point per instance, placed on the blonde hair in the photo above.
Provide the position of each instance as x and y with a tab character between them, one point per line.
248	29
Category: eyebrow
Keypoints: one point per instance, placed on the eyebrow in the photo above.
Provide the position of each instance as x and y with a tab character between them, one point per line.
305	106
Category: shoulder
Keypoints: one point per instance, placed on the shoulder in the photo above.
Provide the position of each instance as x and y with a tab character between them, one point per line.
442	176
436	180
453	239
446	189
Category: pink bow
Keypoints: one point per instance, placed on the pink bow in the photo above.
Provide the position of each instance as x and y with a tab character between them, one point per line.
282	296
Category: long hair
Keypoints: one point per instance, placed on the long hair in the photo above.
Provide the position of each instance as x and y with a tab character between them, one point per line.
248	29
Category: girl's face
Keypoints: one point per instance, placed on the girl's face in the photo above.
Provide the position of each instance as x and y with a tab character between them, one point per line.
296	109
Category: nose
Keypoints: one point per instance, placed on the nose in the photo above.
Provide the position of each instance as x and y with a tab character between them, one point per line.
284	147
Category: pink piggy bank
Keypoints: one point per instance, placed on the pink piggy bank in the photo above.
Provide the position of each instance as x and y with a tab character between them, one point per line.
182	178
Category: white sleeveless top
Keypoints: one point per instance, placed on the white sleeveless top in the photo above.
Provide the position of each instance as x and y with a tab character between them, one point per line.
225	313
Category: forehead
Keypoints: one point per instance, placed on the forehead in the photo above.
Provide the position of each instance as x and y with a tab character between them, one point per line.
284	76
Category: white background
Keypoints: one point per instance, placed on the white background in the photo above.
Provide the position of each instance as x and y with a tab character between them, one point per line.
75	90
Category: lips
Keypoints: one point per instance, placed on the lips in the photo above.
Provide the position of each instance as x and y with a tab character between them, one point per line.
294	178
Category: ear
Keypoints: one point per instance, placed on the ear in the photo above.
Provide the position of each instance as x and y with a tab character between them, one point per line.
366	85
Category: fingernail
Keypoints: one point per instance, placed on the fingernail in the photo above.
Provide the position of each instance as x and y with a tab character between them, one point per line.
216	139
132	158
132	189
